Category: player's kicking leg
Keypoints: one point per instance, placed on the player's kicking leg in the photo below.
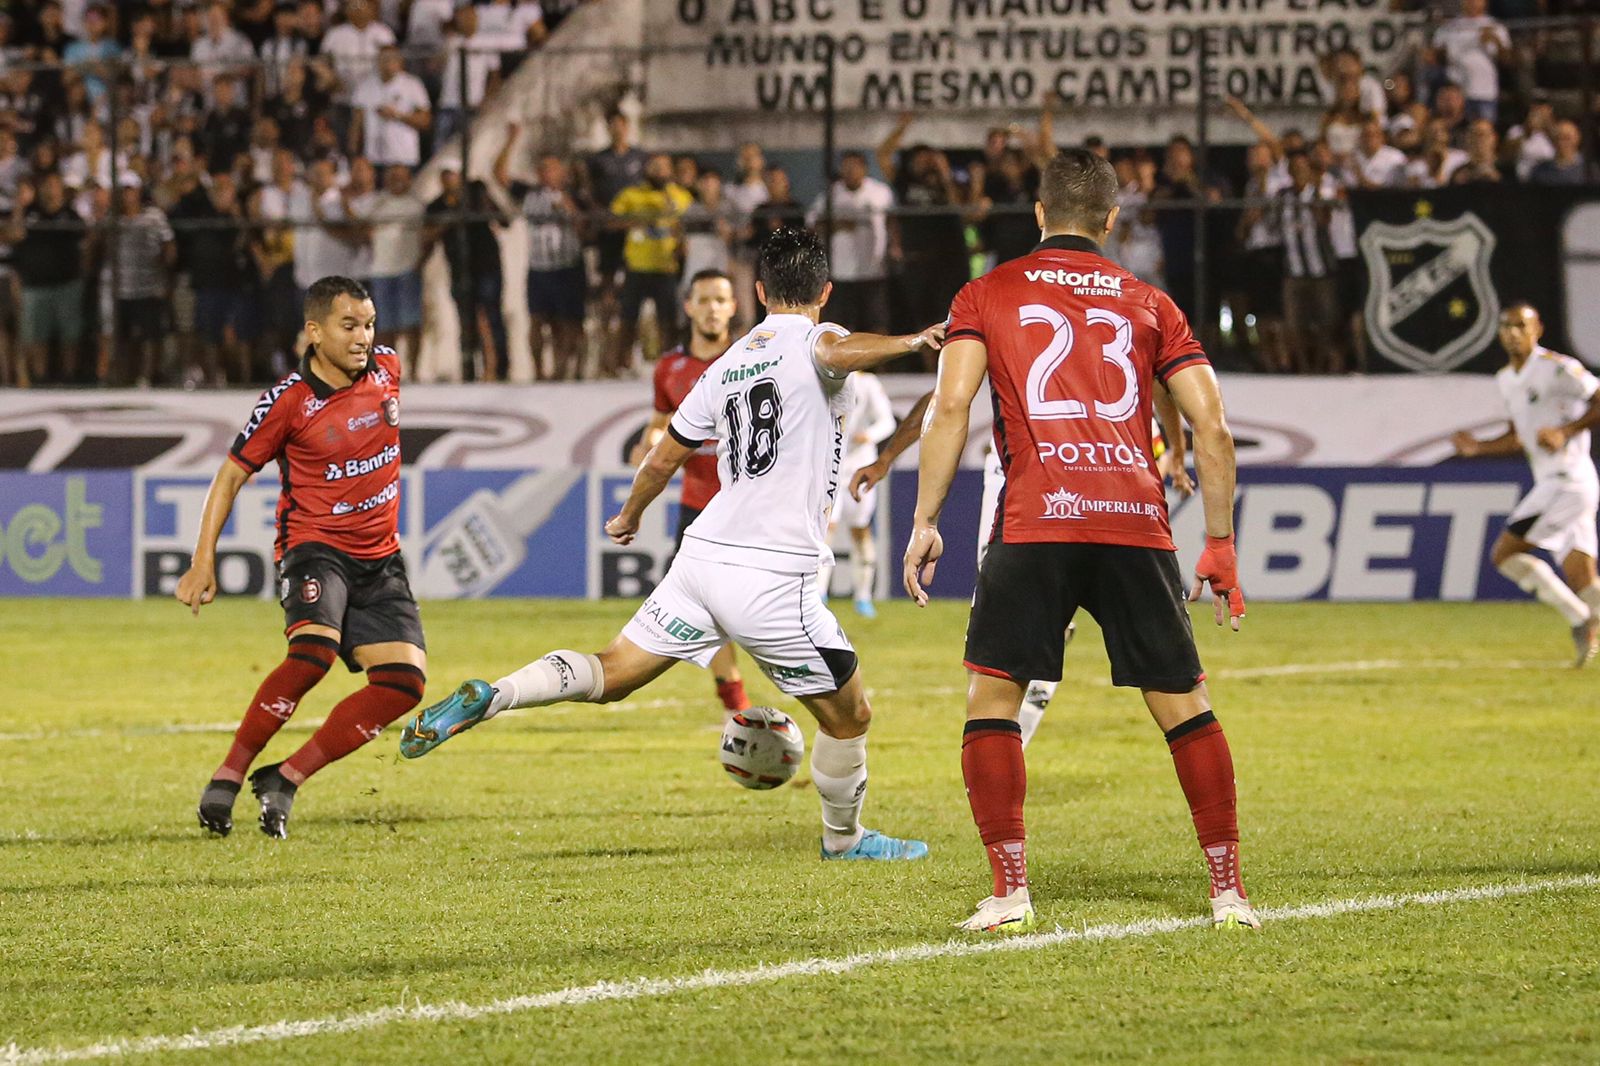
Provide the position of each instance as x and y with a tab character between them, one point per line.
1513	557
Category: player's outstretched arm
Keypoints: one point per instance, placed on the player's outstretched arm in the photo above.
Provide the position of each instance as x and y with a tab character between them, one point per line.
839	355
654	474
1554	438
905	434
961	369
198	585
1200	399
1469	447
652	436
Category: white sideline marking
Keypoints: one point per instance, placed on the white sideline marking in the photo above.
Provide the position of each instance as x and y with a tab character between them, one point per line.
630	706
659	987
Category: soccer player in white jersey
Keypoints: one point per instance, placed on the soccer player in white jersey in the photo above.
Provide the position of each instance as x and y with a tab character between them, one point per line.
1167	434
1553	402
747	571
869	424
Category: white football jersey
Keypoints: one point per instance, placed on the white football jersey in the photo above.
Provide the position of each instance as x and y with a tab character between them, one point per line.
871	415
778	419
1550	390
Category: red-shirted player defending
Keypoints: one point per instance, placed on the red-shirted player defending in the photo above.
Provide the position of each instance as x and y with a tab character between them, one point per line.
333	427
1072	345
711	307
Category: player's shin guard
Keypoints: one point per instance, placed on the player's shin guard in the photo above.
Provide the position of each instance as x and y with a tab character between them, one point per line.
560	677
997	784
1034	701
392	689
307	662
839	770
1205	770
864	567
1534	575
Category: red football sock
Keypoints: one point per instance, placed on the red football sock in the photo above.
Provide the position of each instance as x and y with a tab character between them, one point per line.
1205	770
731	693
281	691
997	784
392	689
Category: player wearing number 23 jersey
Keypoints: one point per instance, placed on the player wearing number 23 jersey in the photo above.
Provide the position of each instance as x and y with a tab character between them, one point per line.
1073	346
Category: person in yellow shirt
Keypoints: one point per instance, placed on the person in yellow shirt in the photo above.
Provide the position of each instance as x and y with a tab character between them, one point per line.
651	213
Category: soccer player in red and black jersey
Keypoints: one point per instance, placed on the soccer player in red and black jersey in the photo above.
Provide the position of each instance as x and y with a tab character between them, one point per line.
1072	345
333	428
711	307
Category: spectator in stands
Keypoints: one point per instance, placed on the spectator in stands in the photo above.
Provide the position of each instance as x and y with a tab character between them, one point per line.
650	214
222	50
1134	243
619	166
779	210
1310	288
358	194
1483	153
1004	208
931	238
1261	271
858	252
1377	164
353	47
1179	182
466	49
304	96
324	243
514	25
1567	167
686	170
213	252
280	49
144	250
391	109
426	22
708	231
556	281
1529	144
311	25
91	163
745	195
396	217
1469	47
472	252
1341	123
47	235
1334	184
1438	161
95	52
225	133
1450	108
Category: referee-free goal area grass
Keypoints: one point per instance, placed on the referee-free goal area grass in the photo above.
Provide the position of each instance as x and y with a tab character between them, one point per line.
1419	798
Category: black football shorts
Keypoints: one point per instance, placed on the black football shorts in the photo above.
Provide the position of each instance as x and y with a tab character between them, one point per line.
368	601
1027	593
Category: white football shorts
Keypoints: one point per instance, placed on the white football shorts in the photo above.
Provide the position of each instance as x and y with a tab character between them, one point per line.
779	619
1558	516
850	513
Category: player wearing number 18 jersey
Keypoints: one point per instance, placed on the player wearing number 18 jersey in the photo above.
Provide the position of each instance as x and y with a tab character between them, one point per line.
1073	346
747	571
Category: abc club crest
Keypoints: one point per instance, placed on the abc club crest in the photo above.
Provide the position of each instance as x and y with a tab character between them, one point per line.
391	410
1431	304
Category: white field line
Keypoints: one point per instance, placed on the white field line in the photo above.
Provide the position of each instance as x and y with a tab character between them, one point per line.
1354	666
659	987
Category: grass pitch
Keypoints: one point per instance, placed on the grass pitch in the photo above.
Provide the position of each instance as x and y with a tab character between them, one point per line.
1380	749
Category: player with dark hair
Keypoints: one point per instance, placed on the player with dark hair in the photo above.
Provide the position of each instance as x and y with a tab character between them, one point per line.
1073	346
333	428
747	572
710	307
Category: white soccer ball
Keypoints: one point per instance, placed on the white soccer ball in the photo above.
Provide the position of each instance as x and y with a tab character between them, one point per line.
762	747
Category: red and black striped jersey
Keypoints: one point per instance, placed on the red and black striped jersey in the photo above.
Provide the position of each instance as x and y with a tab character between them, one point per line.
338	456
1075	345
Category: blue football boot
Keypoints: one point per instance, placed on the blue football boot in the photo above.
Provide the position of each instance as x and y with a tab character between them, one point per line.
432	726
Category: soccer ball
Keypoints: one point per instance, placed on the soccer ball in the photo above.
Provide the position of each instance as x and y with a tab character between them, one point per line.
762	747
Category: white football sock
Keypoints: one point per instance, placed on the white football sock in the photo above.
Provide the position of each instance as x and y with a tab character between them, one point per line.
1534	575
865	566
839	770
1034	701
1590	594
824	579
560	677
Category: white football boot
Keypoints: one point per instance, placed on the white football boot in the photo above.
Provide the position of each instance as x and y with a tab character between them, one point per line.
1011	913
1229	910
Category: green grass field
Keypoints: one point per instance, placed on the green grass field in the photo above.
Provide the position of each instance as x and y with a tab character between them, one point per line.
1380	750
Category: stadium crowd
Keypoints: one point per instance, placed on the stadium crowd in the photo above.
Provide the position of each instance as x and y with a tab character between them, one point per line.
173	174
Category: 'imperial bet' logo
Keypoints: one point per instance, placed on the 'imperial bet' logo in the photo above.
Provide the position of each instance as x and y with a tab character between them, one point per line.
1092	283
1063	504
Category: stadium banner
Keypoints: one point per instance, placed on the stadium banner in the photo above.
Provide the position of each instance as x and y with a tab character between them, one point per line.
1114	56
66	534
1440	264
1312	533
1349	421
